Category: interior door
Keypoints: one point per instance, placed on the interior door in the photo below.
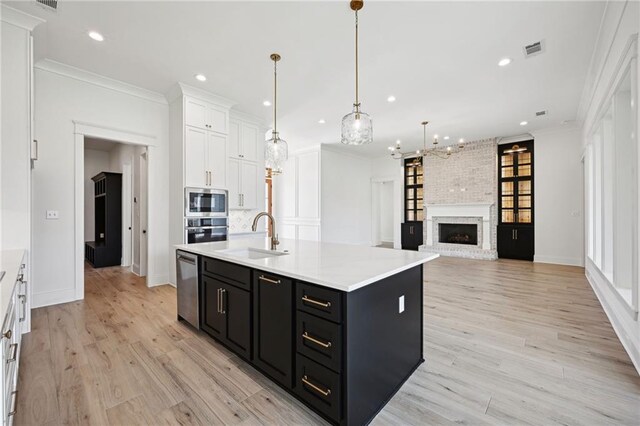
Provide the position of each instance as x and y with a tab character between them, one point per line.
217	159
127	214
233	183
249	185
196	158
143	212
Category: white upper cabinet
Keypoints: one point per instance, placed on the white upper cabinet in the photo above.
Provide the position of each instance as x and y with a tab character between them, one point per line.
205	115
196	171
233	184
217	160
243	140
205	159
243	180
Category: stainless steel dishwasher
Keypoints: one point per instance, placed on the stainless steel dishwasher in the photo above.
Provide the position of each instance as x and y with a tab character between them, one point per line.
188	297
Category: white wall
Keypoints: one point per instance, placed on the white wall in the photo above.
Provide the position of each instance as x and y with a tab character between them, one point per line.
346	197
558	193
619	29
385	208
94	163
60	100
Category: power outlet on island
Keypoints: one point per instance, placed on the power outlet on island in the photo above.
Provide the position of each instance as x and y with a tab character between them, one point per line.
400	304
52	214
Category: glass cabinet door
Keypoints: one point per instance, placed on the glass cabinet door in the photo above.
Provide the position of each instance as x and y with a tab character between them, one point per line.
515	183
414	191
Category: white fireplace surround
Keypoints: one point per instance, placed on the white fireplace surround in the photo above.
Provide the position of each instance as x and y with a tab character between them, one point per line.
479	214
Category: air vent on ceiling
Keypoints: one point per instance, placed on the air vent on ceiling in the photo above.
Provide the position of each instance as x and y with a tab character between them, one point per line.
541	113
533	49
48	4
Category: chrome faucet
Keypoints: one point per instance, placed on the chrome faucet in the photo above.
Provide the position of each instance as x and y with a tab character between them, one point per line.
274	236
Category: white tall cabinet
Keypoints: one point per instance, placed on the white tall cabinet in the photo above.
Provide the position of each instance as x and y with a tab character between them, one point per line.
15	194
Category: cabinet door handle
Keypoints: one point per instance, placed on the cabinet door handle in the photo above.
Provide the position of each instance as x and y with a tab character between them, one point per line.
14	405
316	388
305	298
268	280
306	336
219	309
13	348
223	301
7	334
516	234
23	297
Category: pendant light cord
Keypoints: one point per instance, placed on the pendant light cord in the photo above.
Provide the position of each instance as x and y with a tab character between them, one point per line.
357	99
275	95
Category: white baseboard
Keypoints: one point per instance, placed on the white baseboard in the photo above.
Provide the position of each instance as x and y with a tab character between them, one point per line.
157	280
38	300
617	317
557	260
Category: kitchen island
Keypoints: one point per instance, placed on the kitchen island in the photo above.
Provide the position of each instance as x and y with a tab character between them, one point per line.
338	326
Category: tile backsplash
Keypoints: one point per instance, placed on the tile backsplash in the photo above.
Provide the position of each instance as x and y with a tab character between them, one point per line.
241	220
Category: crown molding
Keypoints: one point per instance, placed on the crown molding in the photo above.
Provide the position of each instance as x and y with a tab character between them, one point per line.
182	89
19	18
570	127
99	80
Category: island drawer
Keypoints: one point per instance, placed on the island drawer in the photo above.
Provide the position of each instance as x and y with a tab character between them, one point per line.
239	276
319	386
319	301
319	340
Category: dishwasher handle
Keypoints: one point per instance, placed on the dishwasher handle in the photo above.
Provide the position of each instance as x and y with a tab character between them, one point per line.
186	259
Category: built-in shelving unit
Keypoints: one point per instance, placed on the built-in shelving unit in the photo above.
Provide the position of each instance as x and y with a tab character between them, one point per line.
515	201
106	249
412	236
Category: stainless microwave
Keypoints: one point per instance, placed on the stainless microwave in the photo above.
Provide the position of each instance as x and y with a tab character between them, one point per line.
205	202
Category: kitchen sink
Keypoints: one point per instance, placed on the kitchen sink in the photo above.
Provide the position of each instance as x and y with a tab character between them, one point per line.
252	253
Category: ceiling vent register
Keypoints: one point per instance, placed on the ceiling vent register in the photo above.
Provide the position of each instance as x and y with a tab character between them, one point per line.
533	49
48	4
541	113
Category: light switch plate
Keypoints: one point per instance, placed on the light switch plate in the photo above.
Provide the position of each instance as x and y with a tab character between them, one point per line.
52	214
400	304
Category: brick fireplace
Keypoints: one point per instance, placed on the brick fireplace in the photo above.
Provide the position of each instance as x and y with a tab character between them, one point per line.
461	201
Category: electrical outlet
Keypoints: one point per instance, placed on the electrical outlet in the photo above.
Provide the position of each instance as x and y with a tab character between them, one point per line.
52	214
400	304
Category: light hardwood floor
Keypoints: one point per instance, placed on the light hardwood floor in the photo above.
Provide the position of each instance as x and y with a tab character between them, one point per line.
506	342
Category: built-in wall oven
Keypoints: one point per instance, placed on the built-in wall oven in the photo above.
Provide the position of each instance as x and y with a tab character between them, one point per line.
205	202
205	229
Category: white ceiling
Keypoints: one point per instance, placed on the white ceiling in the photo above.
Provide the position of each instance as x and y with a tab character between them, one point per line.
438	58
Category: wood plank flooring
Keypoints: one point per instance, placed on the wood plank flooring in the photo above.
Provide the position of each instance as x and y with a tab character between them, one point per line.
506	342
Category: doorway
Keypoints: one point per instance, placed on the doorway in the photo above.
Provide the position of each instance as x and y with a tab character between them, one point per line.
386	212
131	150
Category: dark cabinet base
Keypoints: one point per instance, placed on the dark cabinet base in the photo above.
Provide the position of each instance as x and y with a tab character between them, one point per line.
411	235
339	353
516	242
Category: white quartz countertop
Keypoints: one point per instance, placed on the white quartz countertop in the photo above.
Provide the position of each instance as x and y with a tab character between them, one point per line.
340	266
10	262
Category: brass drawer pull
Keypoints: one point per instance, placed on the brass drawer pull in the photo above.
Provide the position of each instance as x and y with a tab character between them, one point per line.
305	335
305	298
14	347
321	391
7	334
14	405
23	297
269	280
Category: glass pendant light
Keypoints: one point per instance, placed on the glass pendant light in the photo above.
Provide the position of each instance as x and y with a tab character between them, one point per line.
276	151
357	127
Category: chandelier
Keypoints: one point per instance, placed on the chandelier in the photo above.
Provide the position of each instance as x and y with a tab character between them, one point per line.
435	150
276	152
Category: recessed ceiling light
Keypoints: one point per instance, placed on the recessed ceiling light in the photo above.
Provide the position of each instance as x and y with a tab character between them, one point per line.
397	141
96	36
504	62
524	123
461	140
201	77
321	121
391	98
266	103
446	138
